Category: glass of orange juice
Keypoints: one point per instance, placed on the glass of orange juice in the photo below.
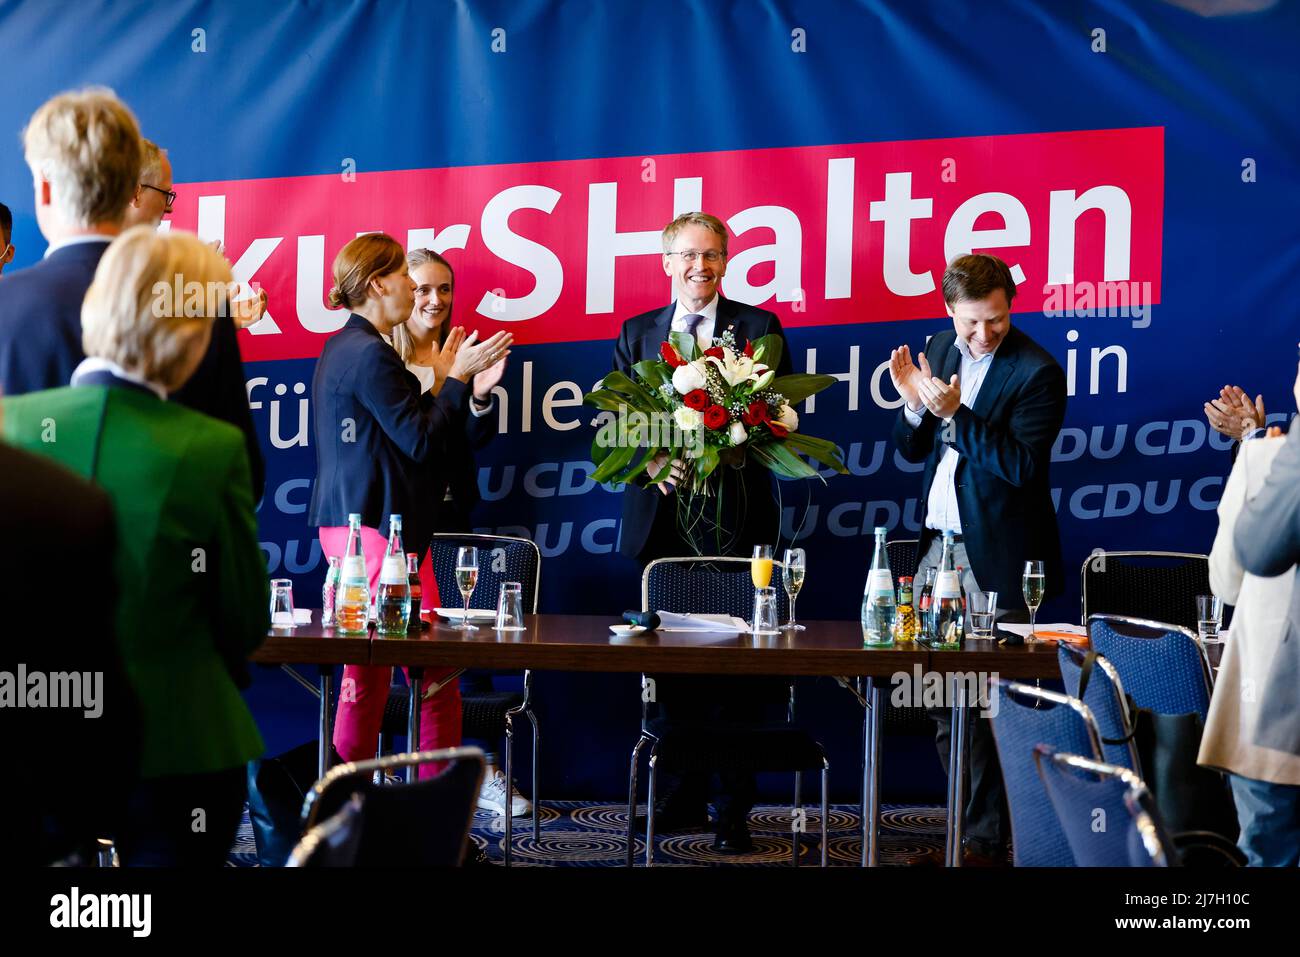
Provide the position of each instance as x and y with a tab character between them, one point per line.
760	566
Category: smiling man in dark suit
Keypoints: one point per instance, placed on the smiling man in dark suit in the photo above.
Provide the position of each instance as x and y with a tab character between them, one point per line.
984	426
695	257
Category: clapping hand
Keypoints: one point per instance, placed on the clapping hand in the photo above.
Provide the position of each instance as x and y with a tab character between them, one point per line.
473	357
906	376
444	356
1234	414
943	399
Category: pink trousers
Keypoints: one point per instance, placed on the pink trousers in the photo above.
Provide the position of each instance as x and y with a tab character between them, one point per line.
364	691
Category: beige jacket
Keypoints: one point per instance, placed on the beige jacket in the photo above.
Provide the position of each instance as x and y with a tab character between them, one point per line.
1257	627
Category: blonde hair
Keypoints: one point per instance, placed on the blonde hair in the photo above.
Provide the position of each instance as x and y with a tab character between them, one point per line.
87	145
152	294
401	335
151	157
711	223
363	259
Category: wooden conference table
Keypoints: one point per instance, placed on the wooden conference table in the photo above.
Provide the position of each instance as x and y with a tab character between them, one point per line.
585	643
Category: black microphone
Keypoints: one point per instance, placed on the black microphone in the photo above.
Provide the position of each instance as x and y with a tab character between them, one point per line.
646	619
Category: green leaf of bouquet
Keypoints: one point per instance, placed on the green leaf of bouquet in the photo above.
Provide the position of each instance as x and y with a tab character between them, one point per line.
616	461
799	386
782	461
608	400
684	343
823	450
768	350
652	373
641	465
638	396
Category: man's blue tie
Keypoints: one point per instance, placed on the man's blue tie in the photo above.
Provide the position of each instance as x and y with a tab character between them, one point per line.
692	322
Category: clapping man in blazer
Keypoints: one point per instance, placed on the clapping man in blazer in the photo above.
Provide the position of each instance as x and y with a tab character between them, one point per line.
982	411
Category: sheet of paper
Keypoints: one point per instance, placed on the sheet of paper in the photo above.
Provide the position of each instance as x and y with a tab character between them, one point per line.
703	624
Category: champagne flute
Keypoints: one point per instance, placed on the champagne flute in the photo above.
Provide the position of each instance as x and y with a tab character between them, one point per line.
1034	584
466	579
796	566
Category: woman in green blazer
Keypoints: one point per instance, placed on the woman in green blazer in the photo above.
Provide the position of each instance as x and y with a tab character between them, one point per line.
192	584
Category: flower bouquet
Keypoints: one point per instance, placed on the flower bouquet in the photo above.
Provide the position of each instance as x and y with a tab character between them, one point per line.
705	410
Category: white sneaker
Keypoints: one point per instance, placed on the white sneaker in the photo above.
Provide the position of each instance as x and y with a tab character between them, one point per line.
492	796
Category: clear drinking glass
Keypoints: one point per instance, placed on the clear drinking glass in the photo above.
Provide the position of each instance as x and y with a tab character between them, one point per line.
1034	585
796	566
983	607
281	603
466	580
1209	618
510	607
765	622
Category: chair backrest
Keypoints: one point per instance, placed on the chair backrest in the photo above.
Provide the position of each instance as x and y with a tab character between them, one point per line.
1156	585
1089	799
707	585
1163	666
903	559
502	558
1018	728
1149	844
334	842
423	824
1105	698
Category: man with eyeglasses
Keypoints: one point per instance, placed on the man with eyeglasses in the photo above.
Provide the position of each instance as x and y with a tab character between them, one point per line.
218	387
154	196
695	258
6	237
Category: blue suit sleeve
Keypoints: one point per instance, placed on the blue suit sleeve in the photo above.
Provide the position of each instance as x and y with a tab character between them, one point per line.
383	386
1267	536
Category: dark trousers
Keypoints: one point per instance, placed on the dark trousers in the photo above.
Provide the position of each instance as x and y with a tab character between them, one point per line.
986	807
692	700
187	820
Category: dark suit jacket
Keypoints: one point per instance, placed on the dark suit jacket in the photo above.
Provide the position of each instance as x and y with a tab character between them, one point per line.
40	344
378	440
1267	543
1004	494
640	339
40	319
56	523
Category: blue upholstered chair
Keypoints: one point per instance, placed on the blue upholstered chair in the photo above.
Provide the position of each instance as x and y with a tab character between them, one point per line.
1104	696
722	586
1163	666
1024	717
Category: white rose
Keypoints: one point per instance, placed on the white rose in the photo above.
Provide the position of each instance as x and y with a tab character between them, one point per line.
688	378
788	417
738	433
688	420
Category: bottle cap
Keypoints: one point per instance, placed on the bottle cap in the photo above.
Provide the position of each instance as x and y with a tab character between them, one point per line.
882	530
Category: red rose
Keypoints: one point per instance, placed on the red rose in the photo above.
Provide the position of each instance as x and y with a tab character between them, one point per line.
696	399
670	355
715	417
749	349
715	352
778	430
757	414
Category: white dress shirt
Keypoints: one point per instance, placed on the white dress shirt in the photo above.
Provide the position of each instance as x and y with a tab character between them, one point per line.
704	331
941	512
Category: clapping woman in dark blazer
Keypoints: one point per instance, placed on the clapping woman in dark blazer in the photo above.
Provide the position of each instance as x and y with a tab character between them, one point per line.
192	595
378	446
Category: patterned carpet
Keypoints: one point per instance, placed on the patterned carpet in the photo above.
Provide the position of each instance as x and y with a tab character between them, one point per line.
592	834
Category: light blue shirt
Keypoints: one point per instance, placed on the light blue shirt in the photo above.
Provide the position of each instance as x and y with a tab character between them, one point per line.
941	512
